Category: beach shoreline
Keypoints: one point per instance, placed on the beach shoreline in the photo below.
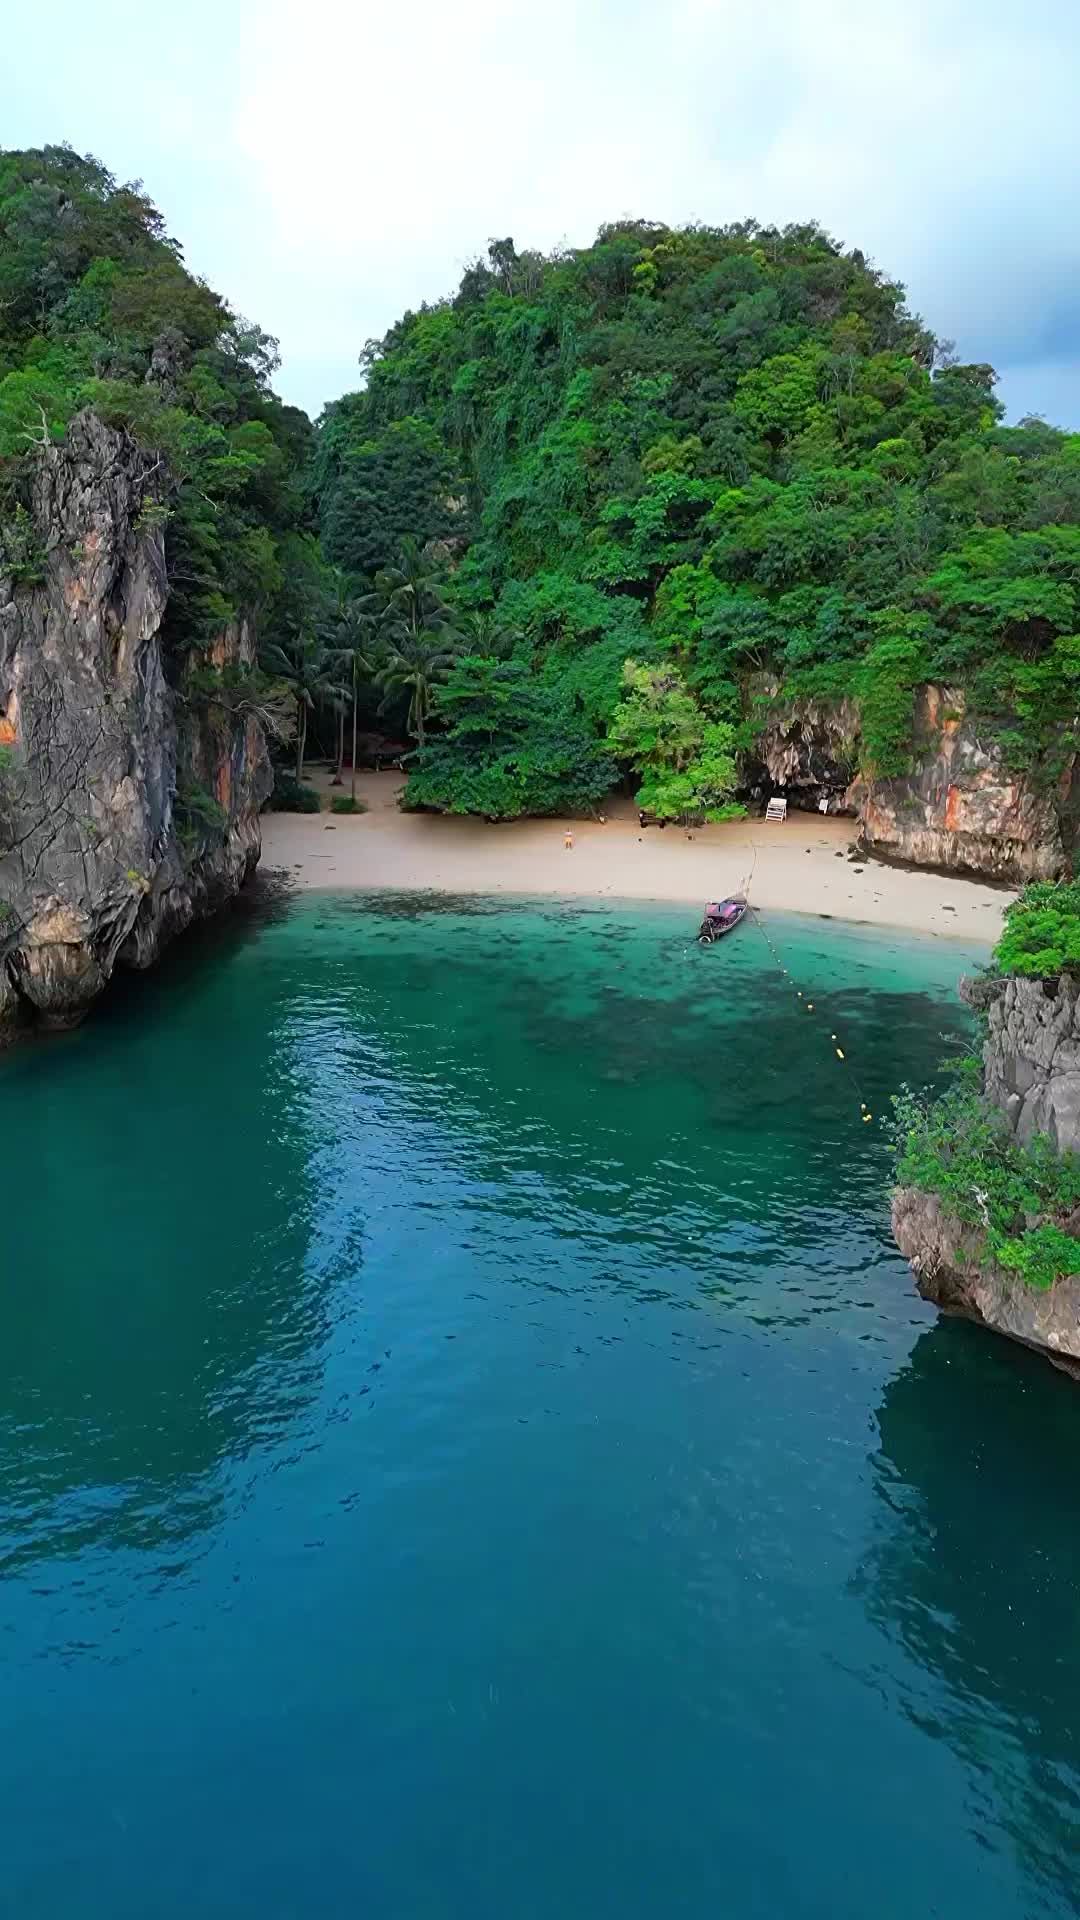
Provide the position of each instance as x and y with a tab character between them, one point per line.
804	865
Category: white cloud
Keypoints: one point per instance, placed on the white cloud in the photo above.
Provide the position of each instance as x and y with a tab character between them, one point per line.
330	164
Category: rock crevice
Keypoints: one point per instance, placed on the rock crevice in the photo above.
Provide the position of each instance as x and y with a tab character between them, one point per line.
1032	1058
808	749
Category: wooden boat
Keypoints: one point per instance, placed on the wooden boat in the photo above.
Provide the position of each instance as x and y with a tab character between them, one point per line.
721	917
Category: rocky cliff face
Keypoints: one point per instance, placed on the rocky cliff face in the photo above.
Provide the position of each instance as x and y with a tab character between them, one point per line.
961	808
1031	1062
809	750
946	1259
1032	1055
107	843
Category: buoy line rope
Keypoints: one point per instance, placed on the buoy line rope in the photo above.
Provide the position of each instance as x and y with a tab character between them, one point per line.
810	1006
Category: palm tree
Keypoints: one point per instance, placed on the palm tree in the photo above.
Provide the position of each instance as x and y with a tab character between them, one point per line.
418	662
485	634
412	587
356	651
329	608
306	664
420	636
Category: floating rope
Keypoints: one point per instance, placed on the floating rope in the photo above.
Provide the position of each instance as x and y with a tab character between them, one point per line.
808	1006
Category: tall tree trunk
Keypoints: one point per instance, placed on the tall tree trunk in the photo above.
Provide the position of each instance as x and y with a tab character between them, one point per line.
301	737
352	783
340	746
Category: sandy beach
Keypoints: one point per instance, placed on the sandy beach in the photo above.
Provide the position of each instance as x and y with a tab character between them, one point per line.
801	866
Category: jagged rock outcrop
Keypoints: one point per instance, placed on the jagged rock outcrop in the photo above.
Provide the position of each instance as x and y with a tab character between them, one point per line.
1031	1071
102	859
951	1270
809	749
962	808
1031	1056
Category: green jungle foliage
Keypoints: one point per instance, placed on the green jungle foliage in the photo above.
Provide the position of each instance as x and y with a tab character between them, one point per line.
959	1147
687	762
1041	938
200	818
509	745
730	456
733	454
98	310
291	795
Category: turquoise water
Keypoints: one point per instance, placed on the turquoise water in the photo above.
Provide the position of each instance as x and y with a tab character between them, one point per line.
469	1448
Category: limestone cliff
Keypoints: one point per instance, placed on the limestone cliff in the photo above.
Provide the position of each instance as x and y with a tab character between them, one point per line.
127	810
808	749
1032	1055
1031	1071
960	808
947	1259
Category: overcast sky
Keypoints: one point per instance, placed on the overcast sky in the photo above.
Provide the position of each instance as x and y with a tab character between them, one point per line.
326	165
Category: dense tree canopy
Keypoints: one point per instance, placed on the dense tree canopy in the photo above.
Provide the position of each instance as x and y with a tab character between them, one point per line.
97	309
732	450
1041	937
648	484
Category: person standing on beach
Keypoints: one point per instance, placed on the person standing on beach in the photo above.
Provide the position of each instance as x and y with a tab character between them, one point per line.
568	839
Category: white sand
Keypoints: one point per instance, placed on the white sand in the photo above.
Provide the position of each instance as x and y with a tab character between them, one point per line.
801	866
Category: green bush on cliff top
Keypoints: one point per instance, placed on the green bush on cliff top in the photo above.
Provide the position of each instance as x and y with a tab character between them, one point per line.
959	1147
1042	931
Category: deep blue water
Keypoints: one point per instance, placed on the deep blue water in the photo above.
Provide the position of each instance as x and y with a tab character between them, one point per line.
469	1447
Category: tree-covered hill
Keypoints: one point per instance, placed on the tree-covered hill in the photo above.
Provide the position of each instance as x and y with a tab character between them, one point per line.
98	310
588	515
733	457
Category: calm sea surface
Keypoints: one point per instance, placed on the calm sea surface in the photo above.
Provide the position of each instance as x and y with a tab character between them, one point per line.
469	1449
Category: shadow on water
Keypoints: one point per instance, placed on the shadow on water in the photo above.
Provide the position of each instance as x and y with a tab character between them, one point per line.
264	902
976	1571
198	1158
134	994
163	1304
